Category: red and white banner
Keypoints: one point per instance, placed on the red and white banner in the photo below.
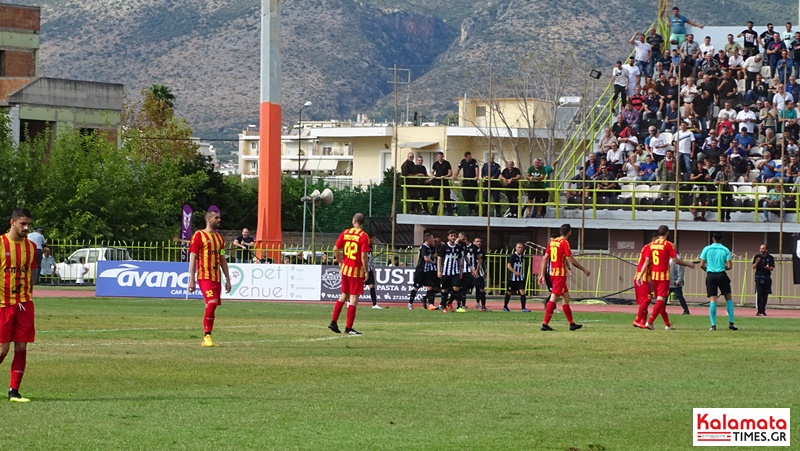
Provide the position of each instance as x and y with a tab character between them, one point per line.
741	427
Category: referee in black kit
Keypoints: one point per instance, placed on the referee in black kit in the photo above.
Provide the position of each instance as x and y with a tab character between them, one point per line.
763	264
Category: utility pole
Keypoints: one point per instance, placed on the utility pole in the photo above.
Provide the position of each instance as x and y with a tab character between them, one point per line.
395	82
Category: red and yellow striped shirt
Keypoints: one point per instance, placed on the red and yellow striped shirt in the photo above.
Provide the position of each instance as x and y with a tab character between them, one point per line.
353	243
18	262
660	252
645	250
209	249
557	251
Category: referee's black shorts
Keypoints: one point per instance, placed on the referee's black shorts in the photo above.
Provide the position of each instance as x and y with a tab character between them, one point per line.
717	282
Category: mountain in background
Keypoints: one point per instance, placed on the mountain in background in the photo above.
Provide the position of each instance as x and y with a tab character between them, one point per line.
336	52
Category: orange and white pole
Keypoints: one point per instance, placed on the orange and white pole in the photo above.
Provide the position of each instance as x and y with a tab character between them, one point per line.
269	233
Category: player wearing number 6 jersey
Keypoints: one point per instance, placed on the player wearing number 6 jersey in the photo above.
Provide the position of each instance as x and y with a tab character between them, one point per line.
557	253
656	264
17	261
352	253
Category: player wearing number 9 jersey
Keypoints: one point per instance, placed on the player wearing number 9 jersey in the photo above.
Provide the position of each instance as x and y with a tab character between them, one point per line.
17	261
352	253
656	264
557	253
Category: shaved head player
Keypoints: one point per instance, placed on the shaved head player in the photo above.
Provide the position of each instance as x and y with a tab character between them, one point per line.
352	253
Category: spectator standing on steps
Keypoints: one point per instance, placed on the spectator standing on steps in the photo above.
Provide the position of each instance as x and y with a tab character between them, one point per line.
441	172
763	264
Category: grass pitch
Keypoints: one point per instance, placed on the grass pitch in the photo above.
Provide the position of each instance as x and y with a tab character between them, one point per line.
130	374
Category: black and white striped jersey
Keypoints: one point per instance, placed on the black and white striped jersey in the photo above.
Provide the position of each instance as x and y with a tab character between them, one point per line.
517	262
426	266
451	258
370	261
473	254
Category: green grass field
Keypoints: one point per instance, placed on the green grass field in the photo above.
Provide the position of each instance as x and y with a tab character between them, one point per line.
130	374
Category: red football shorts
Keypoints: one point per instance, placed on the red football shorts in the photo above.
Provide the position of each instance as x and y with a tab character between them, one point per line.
16	323
353	285
559	285
661	289
211	290
642	292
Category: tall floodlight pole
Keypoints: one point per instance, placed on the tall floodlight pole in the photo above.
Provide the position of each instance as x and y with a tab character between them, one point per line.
268	233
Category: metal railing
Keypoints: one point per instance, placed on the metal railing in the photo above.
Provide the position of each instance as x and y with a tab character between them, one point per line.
632	196
612	274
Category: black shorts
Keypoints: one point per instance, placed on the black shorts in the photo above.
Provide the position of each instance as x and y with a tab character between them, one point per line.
717	281
370	280
515	286
467	281
448	282
425	279
538	196
479	283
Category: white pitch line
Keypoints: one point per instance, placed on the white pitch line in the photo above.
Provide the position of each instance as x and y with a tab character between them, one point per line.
135	329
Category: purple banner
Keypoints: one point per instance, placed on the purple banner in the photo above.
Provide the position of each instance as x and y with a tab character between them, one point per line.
392	284
186	231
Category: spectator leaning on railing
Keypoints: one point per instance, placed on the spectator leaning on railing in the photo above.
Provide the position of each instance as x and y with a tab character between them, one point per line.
490	173
538	195
469	166
510	179
441	172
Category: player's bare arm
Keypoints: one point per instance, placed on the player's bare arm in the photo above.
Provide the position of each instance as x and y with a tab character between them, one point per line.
223	263
703	265
728	265
579	266
645	270
439	266
192	272
681	262
337	255
365	261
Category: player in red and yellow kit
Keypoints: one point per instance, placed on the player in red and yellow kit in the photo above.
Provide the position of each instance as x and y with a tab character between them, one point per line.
17	261
206	258
352	253
557	253
642	290
656	264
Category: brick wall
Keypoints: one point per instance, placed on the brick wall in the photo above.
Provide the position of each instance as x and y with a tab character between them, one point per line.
9	85
18	17
19	64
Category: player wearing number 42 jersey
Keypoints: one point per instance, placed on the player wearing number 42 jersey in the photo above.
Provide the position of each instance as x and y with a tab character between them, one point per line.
206	259
352	253
557	253
656	264
17	261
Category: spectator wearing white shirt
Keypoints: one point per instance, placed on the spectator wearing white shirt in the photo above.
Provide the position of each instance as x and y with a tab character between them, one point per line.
658	145
752	67
619	78
781	97
736	65
728	111
747	119
643	52
685	143
706	46
634	77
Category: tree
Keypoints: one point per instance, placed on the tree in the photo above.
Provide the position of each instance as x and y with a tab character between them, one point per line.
149	121
159	104
524	104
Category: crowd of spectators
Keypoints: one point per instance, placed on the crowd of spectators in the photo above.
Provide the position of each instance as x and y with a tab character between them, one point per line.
684	112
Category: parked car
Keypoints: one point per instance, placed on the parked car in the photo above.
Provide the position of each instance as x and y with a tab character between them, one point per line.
68	270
